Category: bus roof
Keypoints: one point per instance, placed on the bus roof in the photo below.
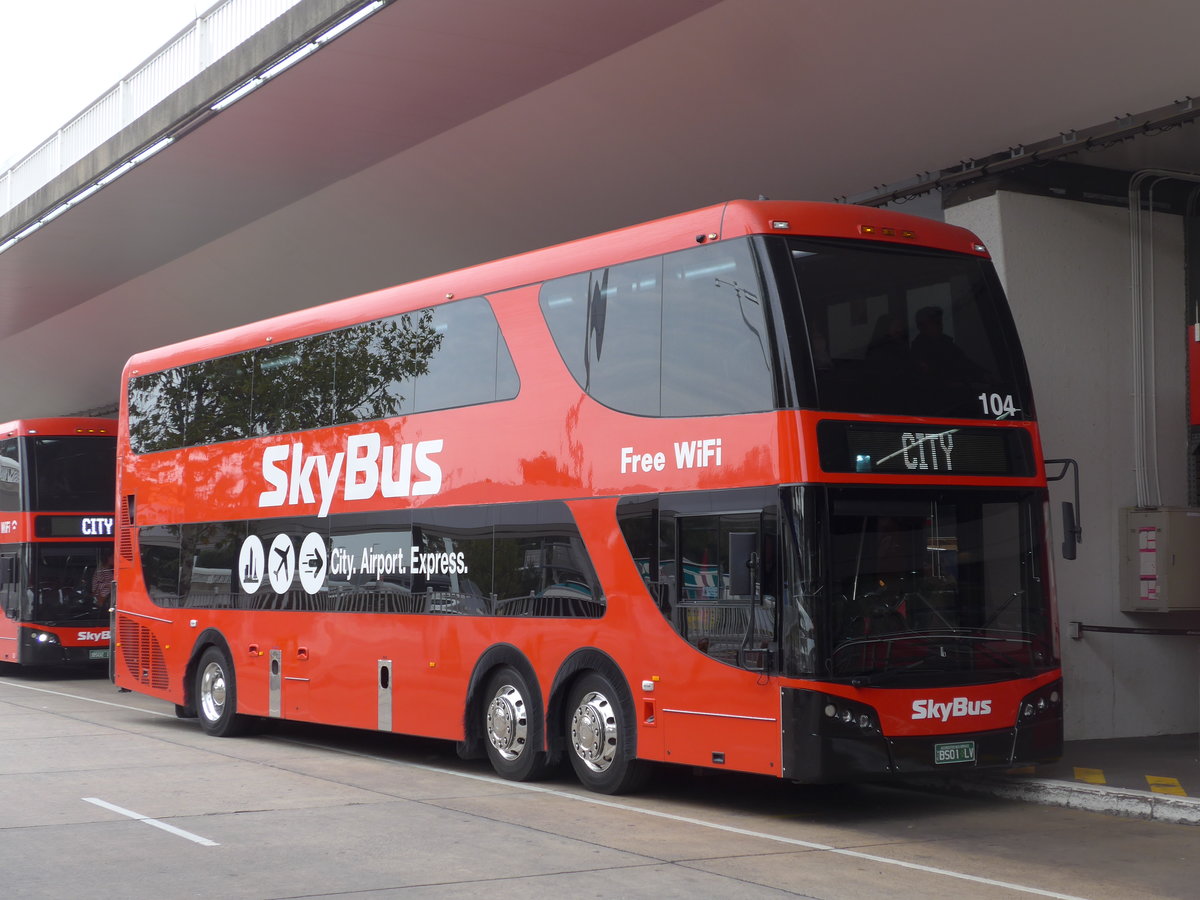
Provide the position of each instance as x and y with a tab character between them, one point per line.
736	218
60	426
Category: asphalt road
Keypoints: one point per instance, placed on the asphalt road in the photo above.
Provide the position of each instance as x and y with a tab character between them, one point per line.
108	795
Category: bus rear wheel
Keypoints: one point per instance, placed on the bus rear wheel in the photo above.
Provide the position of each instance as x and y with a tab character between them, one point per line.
216	696
512	726
598	736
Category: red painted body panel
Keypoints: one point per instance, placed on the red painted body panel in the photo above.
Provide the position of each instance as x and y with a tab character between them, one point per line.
1193	345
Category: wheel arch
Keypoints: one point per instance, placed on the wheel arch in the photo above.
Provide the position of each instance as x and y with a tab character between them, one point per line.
579	663
496	656
209	637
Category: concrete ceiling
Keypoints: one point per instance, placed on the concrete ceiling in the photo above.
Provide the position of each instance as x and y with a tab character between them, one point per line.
440	133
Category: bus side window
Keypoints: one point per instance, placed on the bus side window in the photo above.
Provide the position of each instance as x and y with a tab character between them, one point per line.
10	584
650	538
10	476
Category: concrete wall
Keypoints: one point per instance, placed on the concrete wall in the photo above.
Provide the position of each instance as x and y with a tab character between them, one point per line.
1066	267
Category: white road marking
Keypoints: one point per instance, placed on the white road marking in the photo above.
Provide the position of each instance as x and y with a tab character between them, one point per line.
178	832
29	687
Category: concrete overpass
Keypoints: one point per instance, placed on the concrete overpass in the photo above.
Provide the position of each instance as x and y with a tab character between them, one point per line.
440	133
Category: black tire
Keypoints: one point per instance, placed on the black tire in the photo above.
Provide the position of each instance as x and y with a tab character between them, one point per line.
216	696
597	729
512	726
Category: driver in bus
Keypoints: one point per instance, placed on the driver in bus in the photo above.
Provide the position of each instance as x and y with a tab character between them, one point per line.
102	580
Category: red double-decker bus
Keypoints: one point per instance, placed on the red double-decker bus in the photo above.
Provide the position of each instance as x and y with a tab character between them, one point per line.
56	540
756	487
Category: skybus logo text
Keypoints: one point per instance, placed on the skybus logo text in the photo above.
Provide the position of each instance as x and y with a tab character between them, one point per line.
370	469
959	706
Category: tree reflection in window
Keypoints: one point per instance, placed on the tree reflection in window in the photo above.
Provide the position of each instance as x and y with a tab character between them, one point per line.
367	371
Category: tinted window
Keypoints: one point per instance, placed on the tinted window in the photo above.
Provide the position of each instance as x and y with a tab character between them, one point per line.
694	559
679	335
158	410
293	386
10	583
541	567
218	400
378	364
209	560
61	584
10	476
73	473
468	361
519	560
160	553
715	349
906	331
436	358
935	586
625	336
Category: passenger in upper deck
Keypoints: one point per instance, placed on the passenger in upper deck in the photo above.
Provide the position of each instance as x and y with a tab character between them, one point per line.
947	378
934	352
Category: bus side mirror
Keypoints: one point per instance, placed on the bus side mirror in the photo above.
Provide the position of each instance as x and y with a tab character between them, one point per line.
1072	529
743	560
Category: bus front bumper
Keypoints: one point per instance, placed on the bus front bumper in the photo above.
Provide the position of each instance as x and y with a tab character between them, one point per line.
819	748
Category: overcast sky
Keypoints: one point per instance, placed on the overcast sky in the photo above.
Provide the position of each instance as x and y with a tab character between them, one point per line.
57	56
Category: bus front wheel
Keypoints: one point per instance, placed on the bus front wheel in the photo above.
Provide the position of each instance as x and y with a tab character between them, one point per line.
512	725
598	734
216	695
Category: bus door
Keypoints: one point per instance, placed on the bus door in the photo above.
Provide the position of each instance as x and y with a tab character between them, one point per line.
723	708
11	593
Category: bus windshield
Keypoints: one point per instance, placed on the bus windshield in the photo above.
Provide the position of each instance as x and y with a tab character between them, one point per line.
62	584
72	473
905	331
933	586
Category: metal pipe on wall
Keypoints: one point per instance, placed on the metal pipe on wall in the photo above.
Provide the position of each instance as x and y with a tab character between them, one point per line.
1145	422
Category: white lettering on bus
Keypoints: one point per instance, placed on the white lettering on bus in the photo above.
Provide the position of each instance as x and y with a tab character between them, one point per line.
346	565
699	454
921	450
96	526
370	468
959	706
94	637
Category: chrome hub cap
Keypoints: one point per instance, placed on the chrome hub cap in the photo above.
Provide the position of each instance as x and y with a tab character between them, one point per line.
507	723
594	732
212	692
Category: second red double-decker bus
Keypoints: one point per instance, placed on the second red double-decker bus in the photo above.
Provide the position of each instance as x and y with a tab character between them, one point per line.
756	487
56	539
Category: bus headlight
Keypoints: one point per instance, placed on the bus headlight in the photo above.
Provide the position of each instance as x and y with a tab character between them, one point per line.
851	715
1043	703
45	637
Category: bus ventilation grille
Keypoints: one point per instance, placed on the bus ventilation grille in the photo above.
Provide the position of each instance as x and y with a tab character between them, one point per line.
142	654
125	529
